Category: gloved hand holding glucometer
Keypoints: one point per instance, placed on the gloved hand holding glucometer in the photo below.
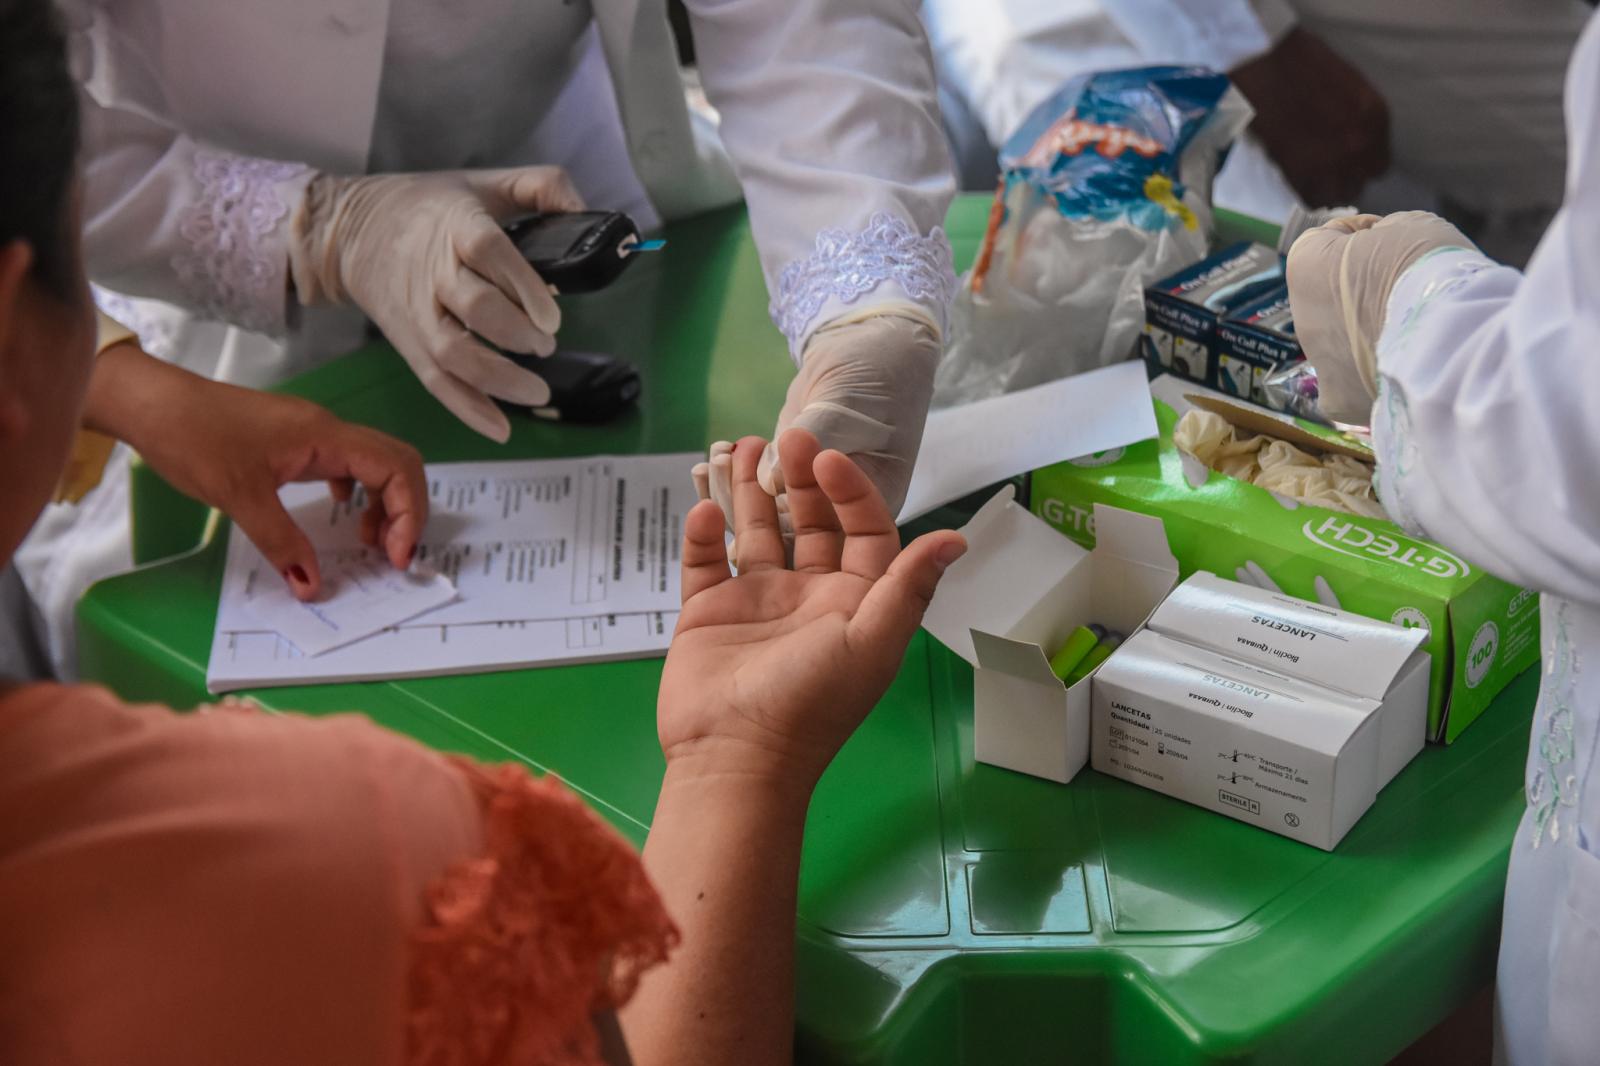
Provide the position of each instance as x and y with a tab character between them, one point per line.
580	252
427	257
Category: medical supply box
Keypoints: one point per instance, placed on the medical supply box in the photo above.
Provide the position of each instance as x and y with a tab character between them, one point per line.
1481	631
1014	598
1253	342
1276	711
1182	312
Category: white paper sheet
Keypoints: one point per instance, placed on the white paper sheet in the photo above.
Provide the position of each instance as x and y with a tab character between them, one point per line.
263	660
548	538
965	448
361	594
553	561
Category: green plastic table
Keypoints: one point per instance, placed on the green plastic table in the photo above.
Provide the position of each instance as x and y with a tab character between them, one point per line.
949	912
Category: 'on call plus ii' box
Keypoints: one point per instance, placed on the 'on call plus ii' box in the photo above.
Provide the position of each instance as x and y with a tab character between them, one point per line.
1482	632
1280	712
1253	342
1182	312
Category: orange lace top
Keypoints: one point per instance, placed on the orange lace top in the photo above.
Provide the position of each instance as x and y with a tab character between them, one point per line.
259	889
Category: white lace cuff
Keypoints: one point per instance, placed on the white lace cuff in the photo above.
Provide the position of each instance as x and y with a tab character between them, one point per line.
845	266
1438	273
234	264
1396	452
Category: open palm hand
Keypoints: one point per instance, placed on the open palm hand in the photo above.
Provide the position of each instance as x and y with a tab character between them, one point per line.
775	668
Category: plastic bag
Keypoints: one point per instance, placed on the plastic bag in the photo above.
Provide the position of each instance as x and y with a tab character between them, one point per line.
1105	188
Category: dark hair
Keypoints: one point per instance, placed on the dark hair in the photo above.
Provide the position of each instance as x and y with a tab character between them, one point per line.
38	140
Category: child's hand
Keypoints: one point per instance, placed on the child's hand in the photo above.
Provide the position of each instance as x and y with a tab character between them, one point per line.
233	448
771	671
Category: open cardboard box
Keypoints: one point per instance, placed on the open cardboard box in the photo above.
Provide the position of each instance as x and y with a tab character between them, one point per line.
1012	600
1305	435
1481	631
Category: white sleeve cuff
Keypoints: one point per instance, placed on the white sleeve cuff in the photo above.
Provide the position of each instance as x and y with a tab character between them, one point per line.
233	257
1436	274
1404	485
885	262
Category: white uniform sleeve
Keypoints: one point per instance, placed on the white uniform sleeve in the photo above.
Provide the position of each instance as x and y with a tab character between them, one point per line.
1004	57
1220	34
169	219
829	111
1487	424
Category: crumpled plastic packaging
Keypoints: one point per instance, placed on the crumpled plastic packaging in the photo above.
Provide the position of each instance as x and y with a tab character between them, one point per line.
1106	188
1338	482
1293	388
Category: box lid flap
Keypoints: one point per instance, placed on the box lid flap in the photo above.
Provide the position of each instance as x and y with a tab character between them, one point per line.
1012	560
1017	658
1282	426
1138	538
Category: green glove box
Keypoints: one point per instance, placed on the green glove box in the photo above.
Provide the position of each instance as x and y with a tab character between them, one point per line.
1483	631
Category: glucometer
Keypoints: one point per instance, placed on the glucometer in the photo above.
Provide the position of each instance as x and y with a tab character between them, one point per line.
585	387
579	251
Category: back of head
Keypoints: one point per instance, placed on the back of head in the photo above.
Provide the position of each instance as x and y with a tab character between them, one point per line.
38	141
46	325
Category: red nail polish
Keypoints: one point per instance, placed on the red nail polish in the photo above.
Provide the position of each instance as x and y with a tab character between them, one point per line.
297	575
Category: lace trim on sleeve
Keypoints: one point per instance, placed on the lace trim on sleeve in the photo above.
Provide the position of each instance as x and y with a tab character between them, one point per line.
848	265
1419	287
1552	786
1396	456
520	947
232	269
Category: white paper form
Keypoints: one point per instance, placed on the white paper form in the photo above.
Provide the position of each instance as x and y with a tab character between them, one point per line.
361	595
265	660
521	540
967	447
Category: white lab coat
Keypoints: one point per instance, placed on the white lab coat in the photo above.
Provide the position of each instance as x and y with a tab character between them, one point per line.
828	112
203	121
1487	439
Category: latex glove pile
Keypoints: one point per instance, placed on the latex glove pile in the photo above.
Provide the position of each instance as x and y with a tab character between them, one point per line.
425	257
1340	277
1338	482
863	389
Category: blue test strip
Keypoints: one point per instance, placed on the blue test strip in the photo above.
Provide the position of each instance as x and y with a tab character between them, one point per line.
650	246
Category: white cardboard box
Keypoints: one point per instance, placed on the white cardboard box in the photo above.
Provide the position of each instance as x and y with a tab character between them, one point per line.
1012	600
1270	709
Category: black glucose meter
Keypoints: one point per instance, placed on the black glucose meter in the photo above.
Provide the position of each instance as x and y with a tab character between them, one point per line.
579	251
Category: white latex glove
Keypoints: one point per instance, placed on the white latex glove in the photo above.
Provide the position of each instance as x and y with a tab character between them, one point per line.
713	480
1340	277
425	257
863	389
